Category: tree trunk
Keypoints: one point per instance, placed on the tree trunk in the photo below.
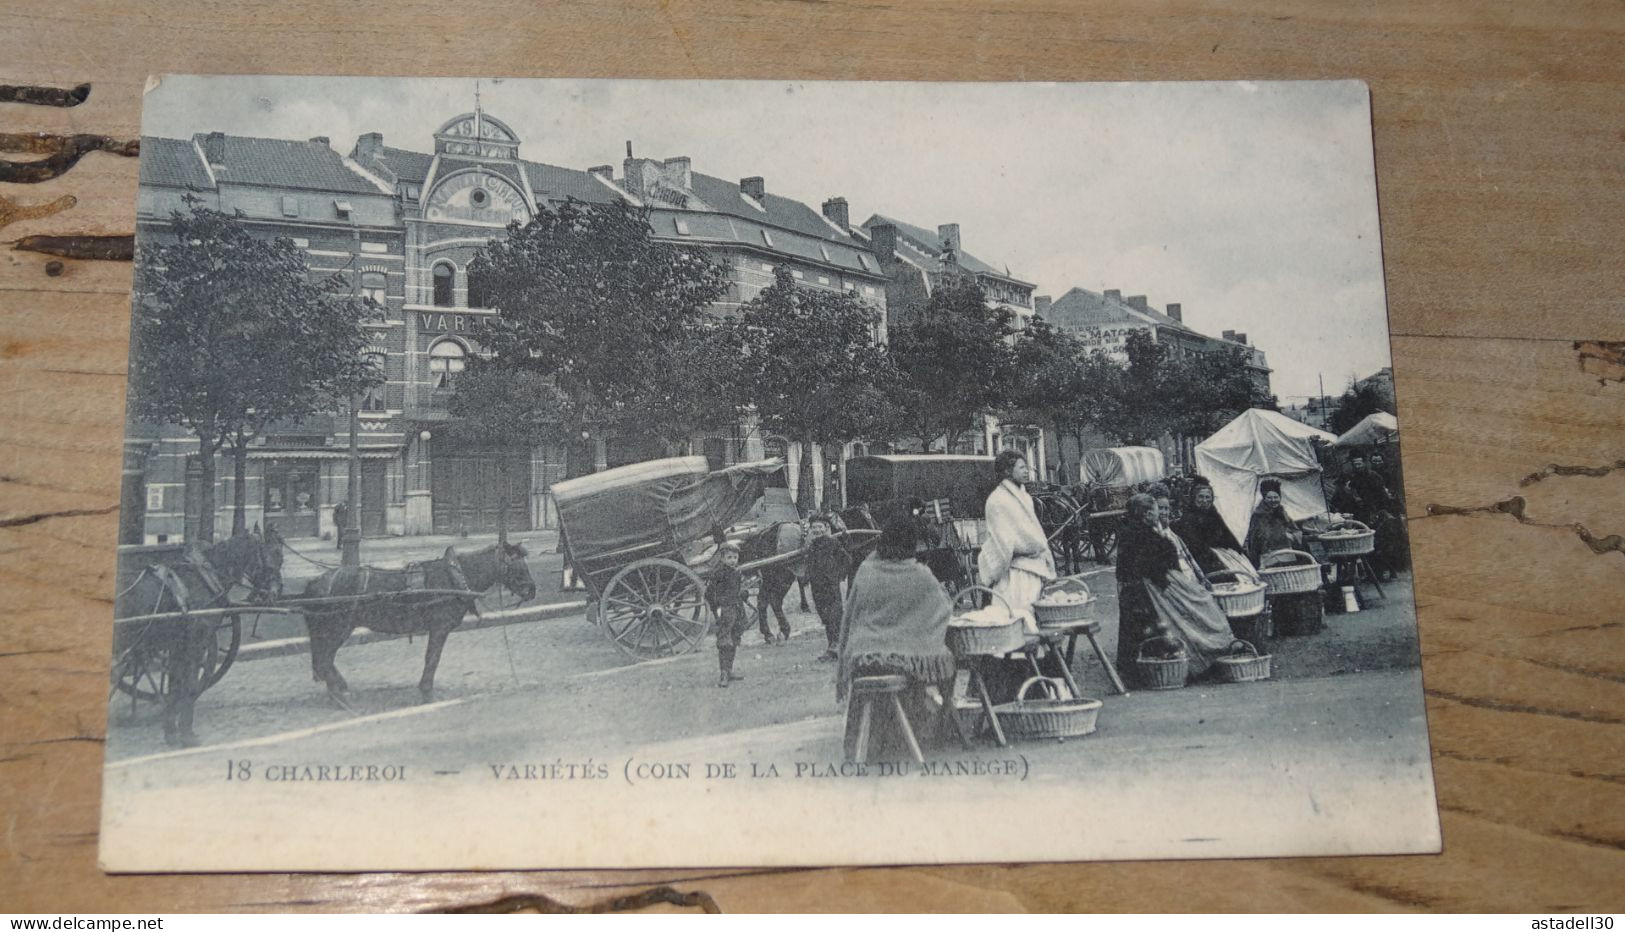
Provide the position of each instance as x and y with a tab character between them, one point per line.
502	496
239	487
205	518
806	493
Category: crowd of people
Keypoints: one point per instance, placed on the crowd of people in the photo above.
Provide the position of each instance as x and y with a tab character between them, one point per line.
894	615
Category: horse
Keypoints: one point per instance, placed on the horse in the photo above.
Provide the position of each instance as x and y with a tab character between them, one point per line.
253	559
179	656
331	622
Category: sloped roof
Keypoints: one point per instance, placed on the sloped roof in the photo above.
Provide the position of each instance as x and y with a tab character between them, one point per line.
286	163
710	226
1081	307
782	212
929	245
557	183
172	162
408	166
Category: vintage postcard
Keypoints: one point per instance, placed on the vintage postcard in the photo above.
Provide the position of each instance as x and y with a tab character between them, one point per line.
569	473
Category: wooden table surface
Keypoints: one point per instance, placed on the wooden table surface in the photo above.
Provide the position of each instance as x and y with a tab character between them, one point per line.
1500	141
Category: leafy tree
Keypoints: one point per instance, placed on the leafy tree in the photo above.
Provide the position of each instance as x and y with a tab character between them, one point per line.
696	389
587	296
1203	392
813	369
954	362
1356	404
231	334
506	408
1050	371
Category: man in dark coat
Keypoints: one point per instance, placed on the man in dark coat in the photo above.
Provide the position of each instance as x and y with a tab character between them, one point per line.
827	565
1378	510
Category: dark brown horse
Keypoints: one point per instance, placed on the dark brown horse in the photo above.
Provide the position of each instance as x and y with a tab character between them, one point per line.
331	618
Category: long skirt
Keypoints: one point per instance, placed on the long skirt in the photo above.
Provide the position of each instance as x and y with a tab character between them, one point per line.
1021	588
1184	611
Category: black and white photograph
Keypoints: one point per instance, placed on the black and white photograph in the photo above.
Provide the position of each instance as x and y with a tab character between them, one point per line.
557	473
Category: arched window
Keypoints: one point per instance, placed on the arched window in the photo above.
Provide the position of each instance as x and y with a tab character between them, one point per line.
373	286
446	359
443	278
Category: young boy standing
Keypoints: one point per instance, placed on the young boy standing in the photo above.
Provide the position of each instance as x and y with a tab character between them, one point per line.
725	594
827	566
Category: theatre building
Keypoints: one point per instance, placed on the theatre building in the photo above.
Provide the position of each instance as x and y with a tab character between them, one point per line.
405	224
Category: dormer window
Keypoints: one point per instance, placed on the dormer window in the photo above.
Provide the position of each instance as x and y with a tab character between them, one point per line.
344	209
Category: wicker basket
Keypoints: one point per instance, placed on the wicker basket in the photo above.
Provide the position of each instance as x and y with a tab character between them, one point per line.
1243	596
1155	673
1062	613
1303	576
965	640
1352	539
1243	665
1050	717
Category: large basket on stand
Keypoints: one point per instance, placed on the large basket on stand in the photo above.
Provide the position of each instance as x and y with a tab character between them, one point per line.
1049	717
1238	594
1348	540
1301	575
1244	664
985	639
1162	672
1062	602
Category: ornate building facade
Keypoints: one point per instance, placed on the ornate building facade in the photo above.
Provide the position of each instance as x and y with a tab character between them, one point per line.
404	224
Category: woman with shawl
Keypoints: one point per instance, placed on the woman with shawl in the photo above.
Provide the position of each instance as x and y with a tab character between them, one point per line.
896	621
1271	529
1161	593
1015	560
1203	530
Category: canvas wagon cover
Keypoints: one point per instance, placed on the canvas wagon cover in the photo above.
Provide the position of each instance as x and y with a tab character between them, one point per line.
1256	444
1380	427
964	480
671	501
1119	467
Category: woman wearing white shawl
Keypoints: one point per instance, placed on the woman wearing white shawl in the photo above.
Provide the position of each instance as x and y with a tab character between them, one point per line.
1015	560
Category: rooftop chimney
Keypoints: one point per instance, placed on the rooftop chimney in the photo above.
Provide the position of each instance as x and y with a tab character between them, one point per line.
319	140
368	147
1176	313
754	186
1137	301
606	172
1112	294
1041	303
214	148
641	176
1228	335
679	172
1241	338
948	233
835	210
884	236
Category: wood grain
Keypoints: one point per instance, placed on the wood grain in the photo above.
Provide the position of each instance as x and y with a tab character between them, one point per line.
1499	128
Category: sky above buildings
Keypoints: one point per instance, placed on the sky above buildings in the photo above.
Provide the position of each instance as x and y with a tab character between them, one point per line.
1253	205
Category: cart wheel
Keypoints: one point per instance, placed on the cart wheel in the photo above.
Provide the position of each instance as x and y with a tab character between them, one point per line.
139	671
655	608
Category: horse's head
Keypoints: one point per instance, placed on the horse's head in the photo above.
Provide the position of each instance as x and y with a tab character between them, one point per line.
516	572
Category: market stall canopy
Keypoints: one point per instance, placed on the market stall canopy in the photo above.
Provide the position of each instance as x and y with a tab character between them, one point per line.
1257	444
669	501
1380	427
964	480
1119	467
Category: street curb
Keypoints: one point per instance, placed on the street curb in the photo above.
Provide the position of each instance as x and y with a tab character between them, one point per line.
513	616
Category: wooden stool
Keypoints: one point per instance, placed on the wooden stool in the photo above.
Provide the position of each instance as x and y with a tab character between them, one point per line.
866	690
1070	632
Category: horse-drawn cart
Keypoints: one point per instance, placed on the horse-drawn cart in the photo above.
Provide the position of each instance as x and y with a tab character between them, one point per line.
640	538
1111	476
176	630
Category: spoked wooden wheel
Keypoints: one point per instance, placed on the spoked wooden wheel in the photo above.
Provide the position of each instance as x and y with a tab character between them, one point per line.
655	608
140	670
